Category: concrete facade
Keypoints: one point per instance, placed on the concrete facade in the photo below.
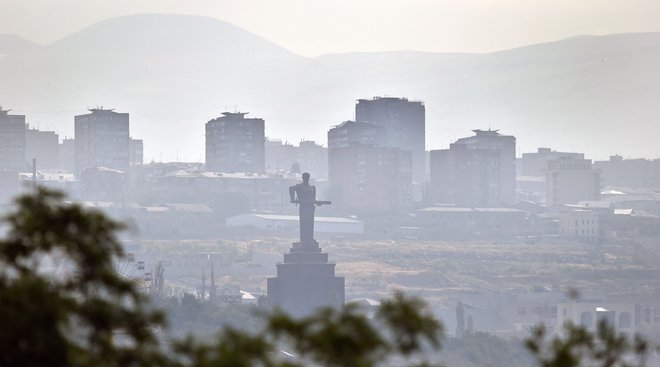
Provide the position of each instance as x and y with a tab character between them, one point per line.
580	224
177	183
135	151
67	155
102	140
404	122
368	178
629	173
312	158
235	143
42	146
588	313
350	132
535	164
475	171
571	180
280	156
12	142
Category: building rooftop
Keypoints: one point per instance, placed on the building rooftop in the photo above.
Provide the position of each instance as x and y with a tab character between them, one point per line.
105	169
100	109
294	218
486	132
190	207
449	209
600	204
48	176
238	114
388	98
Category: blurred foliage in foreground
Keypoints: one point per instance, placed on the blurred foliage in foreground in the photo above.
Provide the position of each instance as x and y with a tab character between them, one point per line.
63	304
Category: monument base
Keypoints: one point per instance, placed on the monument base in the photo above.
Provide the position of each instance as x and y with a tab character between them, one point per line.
305	281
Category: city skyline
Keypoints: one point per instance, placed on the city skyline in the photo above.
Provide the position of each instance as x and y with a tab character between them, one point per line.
594	86
34	126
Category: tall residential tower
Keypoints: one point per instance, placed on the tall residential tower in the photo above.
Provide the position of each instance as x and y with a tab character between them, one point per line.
235	143
477	171
12	142
102	140
404	122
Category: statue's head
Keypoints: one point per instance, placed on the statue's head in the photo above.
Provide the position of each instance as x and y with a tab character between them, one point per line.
306	177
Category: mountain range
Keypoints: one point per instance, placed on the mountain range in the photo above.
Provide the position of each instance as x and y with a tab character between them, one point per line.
594	94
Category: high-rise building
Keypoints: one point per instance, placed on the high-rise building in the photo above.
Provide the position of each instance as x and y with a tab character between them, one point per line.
42	146
477	171
135	151
12	142
235	143
368	178
350	132
102	140
570	180
404	122
535	164
466	177
313	158
279	155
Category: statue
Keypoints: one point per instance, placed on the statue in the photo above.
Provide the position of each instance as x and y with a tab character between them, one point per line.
304	194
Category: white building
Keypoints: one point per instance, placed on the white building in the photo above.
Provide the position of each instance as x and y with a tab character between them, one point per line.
589	313
569	180
582	224
290	222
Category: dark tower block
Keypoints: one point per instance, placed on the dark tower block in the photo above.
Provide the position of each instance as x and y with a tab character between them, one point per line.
305	280
404	123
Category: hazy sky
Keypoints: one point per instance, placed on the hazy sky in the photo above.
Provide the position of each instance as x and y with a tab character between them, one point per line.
311	27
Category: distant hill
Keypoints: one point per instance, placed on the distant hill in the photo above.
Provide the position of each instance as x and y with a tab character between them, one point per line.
599	94
12	44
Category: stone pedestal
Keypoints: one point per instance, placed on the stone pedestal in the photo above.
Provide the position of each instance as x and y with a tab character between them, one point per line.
305	281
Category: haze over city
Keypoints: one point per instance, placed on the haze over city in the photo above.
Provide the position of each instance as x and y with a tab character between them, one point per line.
186	65
328	183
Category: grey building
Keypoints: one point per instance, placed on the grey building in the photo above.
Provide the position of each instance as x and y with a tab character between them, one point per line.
570	180
629	173
42	146
404	122
313	158
12	142
102	140
279	155
135	151
475	171
67	155
235	143
350	132
466	177
535	164
368	178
